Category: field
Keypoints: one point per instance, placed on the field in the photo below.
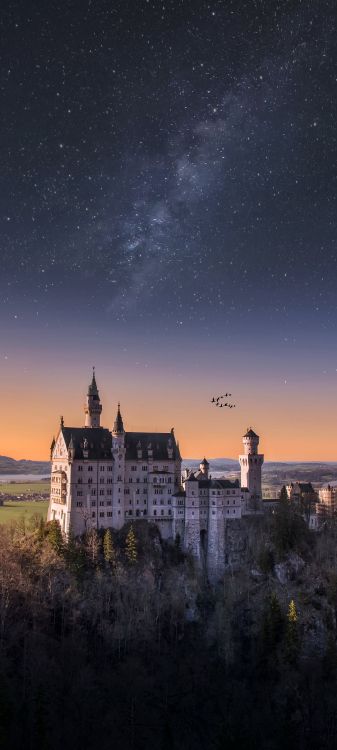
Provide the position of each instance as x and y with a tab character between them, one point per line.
24	488
14	511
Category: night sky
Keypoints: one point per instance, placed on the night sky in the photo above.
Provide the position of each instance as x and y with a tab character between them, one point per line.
168	213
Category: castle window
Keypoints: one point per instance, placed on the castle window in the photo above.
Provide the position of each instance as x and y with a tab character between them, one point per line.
109	514
79	493
137	512
101	492
145	480
101	515
155	502
80	468
93	514
101	481
119	478
101	502
162	512
130	479
169	479
109	481
93	492
109	468
144	492
192	502
89	480
144	468
93	503
109	492
133	468
89	468
79	481
213	512
137	492
144	512
130	503
154	512
130	512
79	504
169	501
213	502
101	468
170	512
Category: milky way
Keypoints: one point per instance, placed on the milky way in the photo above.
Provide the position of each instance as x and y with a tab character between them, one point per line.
173	161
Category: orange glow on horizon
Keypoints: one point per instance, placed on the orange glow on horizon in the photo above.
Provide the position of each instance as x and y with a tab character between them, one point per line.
288	429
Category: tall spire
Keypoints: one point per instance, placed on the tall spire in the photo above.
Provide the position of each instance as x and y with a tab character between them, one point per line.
93	390
118	427
93	406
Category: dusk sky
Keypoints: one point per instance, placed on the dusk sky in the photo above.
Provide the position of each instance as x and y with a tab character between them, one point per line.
168	211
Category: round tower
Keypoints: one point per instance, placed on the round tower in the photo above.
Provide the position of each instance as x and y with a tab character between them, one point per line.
93	406
251	466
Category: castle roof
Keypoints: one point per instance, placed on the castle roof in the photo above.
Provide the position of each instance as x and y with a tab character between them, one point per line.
218	484
158	442
99	441
93	390
250	433
118	424
204	462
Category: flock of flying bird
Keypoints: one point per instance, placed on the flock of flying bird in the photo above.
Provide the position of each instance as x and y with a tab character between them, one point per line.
216	400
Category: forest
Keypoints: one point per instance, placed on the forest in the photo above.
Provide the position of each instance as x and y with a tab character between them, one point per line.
117	640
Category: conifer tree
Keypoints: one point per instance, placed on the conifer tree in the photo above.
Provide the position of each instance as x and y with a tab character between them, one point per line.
131	546
292	640
55	537
108	548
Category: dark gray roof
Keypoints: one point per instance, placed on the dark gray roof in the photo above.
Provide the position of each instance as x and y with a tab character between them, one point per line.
250	433
181	493
218	484
99	441
204	462
306	487
191	478
118	424
159	443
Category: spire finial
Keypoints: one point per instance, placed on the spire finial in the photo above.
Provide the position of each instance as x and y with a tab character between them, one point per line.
61	422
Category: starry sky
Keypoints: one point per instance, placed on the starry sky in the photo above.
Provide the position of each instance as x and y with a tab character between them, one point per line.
168	213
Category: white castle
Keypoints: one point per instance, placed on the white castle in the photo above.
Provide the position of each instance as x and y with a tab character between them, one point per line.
103	478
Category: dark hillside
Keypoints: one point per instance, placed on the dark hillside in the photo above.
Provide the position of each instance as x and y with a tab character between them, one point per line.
117	641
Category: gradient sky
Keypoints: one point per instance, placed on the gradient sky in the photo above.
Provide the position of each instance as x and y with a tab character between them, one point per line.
168	213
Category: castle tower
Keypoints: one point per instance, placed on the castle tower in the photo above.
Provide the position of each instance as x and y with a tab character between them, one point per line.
118	453
251	465
93	406
192	516
204	468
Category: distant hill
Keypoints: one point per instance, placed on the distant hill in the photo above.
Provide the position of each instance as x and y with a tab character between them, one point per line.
23	466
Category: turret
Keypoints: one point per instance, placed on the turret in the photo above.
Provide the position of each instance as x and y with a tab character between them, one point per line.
251	468
250	442
118	428
204	468
93	406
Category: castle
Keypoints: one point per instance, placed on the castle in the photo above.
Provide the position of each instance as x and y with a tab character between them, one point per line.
104	478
